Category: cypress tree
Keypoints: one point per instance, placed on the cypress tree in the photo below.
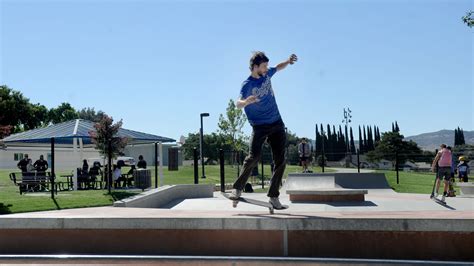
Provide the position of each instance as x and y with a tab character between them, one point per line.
353	149
365	141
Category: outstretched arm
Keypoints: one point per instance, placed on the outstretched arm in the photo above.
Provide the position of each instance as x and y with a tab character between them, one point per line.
241	103
293	58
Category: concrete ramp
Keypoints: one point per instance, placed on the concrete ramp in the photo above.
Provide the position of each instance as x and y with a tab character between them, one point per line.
362	180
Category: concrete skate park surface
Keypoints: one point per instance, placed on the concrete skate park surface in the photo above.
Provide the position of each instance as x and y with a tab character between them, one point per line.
387	225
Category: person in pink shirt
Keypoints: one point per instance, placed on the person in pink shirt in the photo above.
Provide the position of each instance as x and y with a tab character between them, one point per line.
444	161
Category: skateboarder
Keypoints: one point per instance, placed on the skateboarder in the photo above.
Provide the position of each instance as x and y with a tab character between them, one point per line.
258	100
444	160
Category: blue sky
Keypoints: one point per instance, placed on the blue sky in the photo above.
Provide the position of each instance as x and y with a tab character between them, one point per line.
158	64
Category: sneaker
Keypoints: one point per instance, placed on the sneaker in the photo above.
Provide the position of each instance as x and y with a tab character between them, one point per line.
276	203
436	194
235	194
443	198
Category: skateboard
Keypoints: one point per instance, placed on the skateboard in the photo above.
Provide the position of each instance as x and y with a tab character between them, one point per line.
253	202
438	201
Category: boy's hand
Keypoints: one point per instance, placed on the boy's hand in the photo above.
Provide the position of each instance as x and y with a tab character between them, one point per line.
293	58
251	99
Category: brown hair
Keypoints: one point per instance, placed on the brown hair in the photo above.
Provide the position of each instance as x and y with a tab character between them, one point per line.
257	58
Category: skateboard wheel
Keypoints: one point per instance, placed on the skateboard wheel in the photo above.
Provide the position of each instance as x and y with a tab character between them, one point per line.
271	210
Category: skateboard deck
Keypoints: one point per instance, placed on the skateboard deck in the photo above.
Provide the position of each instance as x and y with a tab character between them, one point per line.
438	201
253	202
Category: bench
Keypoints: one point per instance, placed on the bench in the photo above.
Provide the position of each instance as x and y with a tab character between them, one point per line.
320	188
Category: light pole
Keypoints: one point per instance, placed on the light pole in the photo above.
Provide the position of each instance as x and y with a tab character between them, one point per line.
346	121
201	140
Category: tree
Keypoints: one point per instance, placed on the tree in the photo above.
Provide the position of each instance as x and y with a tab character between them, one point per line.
5	131
361	143
90	114
318	141
62	113
365	142
212	143
16	111
292	142
456	137
231	126
107	131
106	140
377	135
459	137
390	145
370	140
329	149
468	19
353	149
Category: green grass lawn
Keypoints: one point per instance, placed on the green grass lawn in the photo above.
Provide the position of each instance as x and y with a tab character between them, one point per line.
410	182
12	202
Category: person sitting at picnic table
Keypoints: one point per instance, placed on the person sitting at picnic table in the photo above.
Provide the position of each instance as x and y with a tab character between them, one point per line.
129	176
117	175
95	170
23	163
141	163
41	165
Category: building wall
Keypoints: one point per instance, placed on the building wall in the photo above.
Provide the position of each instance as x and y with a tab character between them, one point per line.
148	152
64	156
66	160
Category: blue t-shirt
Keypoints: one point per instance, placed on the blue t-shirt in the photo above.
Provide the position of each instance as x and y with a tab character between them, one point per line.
265	110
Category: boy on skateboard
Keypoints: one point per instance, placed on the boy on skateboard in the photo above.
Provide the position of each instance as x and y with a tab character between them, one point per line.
258	100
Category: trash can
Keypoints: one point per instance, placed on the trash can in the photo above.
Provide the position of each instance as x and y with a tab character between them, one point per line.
173	159
142	178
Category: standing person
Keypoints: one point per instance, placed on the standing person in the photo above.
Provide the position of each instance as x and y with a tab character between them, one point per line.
85	167
29	167
141	163
444	160
41	165
258	100
23	163
463	169
304	151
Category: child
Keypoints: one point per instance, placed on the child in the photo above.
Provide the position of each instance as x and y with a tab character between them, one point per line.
463	169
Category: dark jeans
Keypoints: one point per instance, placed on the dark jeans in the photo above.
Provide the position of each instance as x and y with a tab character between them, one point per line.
276	136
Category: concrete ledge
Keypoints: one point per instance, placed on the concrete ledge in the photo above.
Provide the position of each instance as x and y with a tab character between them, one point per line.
467	189
320	188
261	222
159	197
